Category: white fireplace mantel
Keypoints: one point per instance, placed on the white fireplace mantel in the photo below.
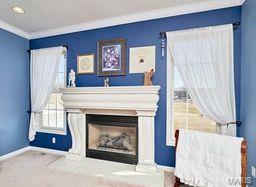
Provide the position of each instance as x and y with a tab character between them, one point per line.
118	97
138	101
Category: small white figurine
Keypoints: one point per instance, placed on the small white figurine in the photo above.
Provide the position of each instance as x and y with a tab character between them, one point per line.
106	82
72	78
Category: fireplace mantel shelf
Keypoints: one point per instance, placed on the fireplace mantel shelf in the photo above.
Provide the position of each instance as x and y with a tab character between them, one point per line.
117	97
113	89
140	101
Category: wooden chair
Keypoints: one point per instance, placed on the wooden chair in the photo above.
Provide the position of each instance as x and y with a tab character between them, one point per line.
243	161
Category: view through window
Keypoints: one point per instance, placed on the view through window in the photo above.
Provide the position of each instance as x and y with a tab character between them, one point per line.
186	114
54	114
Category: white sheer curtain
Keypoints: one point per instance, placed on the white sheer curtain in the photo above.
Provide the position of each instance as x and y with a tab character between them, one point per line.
43	72
204	59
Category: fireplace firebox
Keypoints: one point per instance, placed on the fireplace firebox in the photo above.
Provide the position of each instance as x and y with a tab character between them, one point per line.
113	138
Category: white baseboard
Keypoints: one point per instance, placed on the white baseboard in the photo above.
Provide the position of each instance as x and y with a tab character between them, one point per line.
19	151
45	150
166	168
14	153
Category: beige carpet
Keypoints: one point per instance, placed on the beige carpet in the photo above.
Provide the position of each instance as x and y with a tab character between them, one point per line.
30	169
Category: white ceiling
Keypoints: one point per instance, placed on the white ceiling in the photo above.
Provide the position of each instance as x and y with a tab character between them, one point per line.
48	14
51	15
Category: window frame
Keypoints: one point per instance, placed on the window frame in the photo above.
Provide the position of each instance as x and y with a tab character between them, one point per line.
170	134
170	138
52	130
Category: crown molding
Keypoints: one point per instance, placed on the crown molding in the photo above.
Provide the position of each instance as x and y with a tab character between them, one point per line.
130	18
14	30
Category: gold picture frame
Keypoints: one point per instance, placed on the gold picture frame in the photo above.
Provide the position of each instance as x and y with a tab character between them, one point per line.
85	63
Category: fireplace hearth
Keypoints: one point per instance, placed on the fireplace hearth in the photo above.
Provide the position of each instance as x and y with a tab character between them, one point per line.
113	138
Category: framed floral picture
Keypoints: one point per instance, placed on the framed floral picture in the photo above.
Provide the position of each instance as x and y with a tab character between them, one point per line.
85	64
111	57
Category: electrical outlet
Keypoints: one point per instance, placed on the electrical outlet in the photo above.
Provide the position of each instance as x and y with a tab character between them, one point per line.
253	171
53	140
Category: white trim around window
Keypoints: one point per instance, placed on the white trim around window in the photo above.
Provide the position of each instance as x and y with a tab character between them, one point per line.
170	140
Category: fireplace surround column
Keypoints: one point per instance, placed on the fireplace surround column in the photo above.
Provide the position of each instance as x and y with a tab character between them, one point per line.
76	123
146	161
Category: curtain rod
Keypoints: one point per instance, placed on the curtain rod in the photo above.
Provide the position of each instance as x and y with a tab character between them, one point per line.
236	123
162	34
66	46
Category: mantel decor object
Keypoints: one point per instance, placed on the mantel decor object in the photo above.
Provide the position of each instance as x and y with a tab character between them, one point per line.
106	82
72	78
111	57
147	77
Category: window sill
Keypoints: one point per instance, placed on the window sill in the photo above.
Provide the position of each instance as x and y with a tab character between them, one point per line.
53	131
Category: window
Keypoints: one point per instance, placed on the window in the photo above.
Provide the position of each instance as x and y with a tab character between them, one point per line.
181	111
185	113
54	118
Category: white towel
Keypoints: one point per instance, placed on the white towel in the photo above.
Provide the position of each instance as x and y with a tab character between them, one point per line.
207	159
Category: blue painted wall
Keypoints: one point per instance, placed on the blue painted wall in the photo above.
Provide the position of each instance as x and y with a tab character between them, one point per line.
248	77
14	94
137	34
